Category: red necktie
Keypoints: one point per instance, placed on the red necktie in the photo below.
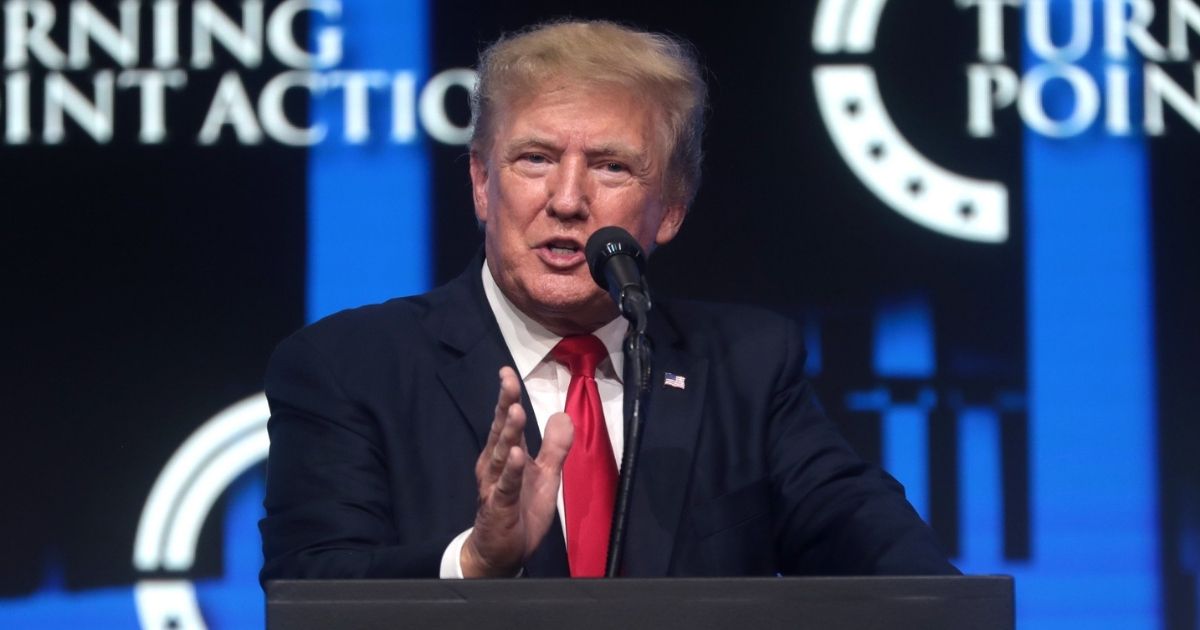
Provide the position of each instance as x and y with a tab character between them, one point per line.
590	472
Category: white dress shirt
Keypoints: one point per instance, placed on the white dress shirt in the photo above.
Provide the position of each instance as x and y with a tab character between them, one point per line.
546	383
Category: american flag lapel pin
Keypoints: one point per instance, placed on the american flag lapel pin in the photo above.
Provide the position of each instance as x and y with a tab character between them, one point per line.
671	379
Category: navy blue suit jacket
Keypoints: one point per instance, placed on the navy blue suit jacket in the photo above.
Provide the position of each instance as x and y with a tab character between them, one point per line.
379	413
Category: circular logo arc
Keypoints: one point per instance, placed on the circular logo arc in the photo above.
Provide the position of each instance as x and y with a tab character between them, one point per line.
216	454
877	153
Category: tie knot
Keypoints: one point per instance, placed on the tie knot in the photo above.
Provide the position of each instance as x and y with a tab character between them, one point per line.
580	353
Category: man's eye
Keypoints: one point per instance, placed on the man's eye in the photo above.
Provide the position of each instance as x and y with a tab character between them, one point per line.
615	167
534	158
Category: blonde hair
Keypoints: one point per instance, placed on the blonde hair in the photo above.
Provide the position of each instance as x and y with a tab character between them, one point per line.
600	53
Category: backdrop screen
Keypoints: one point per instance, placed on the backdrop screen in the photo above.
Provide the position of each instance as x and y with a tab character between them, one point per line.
983	212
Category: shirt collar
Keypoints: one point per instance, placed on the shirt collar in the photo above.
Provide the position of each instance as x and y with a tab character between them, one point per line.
530	343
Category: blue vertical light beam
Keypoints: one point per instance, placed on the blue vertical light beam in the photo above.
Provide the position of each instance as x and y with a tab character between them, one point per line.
368	203
904	348
1092	417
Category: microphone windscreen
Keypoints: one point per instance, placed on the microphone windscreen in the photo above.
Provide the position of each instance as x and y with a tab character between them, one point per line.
608	242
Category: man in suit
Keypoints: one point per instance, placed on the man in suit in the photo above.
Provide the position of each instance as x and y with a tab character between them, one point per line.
393	455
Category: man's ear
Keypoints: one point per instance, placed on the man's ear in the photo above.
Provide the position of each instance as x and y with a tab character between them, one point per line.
672	220
479	178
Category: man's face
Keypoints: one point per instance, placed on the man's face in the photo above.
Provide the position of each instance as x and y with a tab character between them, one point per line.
562	164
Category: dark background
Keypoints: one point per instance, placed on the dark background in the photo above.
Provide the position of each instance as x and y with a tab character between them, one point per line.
146	286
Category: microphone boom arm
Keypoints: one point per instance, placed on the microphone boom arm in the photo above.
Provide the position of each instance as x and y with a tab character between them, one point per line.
637	364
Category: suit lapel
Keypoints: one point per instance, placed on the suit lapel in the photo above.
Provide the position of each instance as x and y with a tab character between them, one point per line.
464	322
669	431
472	382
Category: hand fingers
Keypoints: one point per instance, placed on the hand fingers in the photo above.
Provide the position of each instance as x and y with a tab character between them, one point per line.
539	502
510	392
556	442
508	488
510	388
510	437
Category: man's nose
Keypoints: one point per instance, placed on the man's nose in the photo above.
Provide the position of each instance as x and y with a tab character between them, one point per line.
569	190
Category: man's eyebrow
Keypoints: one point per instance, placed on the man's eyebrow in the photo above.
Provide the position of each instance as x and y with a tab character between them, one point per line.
529	142
616	149
611	149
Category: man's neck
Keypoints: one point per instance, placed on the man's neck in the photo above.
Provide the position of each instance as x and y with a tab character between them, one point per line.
529	340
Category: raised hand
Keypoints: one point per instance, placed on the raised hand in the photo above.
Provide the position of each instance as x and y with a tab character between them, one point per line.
517	494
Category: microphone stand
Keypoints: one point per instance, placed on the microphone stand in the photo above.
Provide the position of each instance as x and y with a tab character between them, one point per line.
637	365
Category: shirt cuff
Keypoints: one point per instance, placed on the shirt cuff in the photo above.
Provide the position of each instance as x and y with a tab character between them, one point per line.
451	558
451	567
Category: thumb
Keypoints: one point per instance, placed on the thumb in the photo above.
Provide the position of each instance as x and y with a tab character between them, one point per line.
556	441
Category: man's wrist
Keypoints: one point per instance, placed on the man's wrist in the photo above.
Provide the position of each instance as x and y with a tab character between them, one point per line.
468	561
473	565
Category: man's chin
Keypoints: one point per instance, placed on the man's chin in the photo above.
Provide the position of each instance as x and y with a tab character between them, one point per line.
564	294
572	314
568	306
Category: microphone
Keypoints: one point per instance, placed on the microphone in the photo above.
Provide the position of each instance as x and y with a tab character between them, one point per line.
617	265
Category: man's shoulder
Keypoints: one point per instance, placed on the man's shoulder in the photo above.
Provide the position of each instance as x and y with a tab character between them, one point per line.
369	320
403	321
726	321
737	337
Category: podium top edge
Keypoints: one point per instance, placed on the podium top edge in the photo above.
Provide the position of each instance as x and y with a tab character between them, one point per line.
993	587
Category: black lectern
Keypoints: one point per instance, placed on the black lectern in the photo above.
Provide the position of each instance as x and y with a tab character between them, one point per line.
917	603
